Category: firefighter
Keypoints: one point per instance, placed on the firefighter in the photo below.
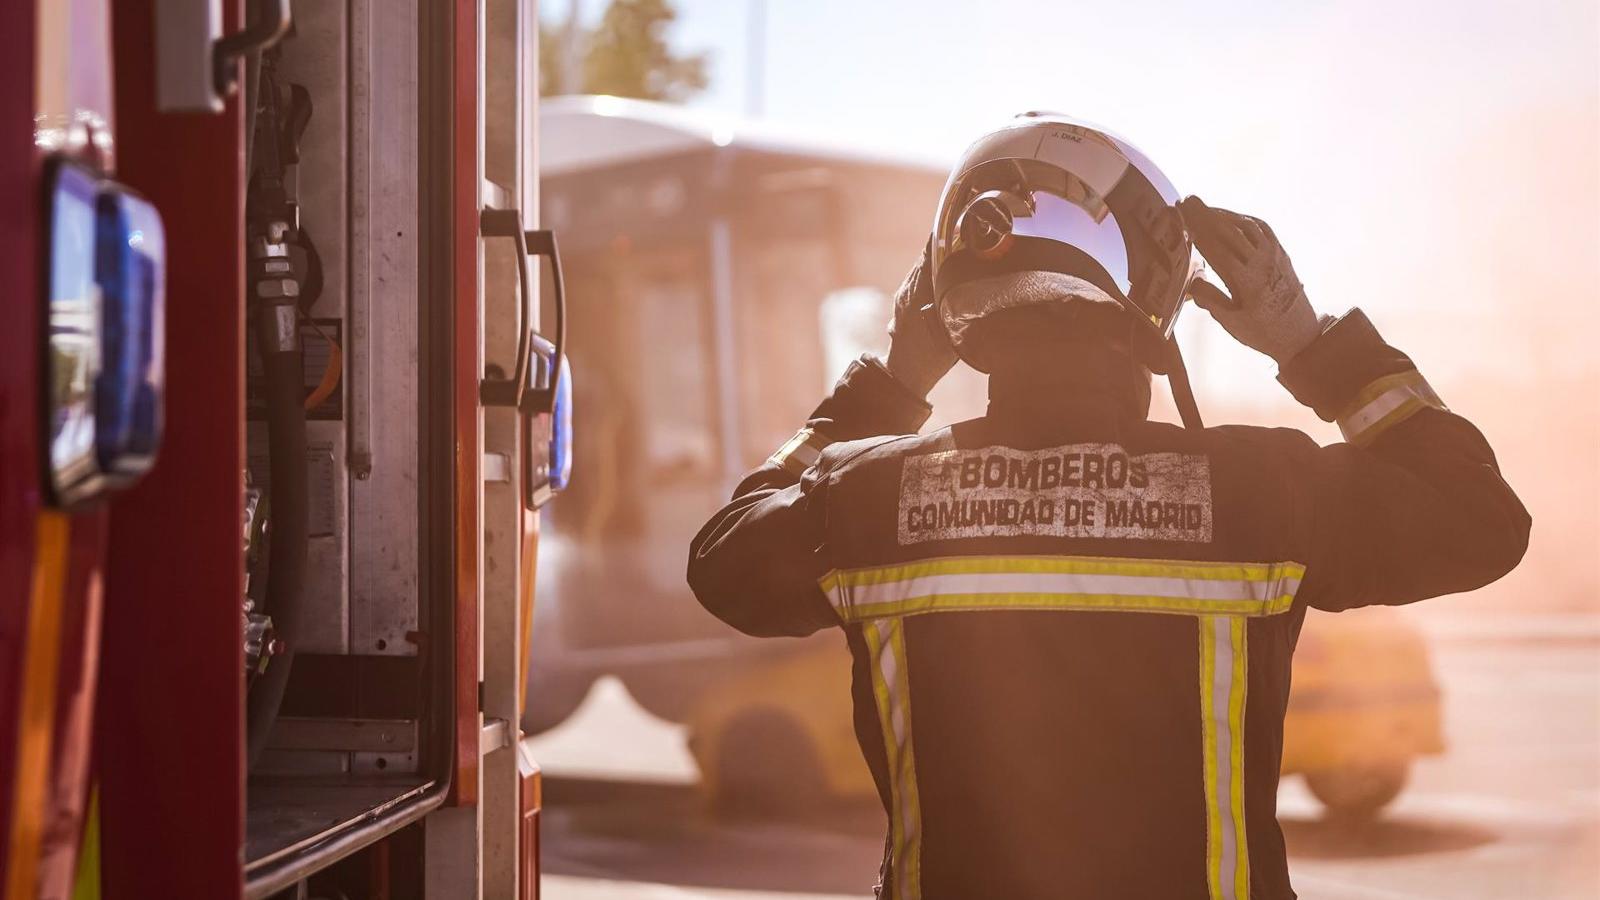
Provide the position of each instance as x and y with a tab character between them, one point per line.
1072	626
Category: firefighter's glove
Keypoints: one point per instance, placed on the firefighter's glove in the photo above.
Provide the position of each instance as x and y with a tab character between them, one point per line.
918	355
1268	311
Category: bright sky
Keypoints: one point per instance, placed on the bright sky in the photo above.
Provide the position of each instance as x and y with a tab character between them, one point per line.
1434	162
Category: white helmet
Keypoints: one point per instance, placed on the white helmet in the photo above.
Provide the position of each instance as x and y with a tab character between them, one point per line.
1047	193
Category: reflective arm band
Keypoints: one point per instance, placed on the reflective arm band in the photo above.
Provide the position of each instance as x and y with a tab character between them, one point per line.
801	452
1384	403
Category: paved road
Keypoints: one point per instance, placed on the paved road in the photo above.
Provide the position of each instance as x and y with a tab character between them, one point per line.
1513	811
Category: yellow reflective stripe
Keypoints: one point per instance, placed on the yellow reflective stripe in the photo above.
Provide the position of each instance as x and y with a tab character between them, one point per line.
1077	565
1224	674
36	721
886	646
1208	754
1380	386
911	831
931	603
1385	403
1405	409
1236	698
954	584
801	452
830	584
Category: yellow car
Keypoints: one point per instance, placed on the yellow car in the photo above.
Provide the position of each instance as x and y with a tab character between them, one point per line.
779	737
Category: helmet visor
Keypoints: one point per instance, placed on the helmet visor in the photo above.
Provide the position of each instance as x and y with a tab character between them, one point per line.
1018	215
1090	227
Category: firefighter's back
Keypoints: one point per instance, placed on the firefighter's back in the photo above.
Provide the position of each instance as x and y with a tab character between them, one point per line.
1072	633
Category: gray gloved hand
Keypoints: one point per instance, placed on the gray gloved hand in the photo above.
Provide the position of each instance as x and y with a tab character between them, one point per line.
917	356
1268	311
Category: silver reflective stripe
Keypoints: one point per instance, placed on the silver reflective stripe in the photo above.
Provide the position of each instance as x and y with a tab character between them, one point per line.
806	455
1385	402
801	452
1063	583
1009	583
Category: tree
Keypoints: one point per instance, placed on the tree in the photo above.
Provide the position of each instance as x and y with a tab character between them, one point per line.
626	55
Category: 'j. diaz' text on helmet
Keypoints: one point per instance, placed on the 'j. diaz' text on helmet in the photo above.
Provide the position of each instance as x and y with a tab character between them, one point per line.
1047	193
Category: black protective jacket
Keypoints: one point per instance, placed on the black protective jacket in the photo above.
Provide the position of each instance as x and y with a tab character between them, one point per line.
1072	627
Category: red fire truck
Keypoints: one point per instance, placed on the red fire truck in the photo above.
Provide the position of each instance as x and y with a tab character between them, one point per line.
279	404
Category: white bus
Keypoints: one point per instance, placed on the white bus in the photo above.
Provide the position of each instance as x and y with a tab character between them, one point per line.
721	278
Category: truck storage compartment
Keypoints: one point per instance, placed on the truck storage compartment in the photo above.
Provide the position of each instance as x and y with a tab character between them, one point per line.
348	625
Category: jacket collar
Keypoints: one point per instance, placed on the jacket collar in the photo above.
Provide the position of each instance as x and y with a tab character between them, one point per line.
1106	390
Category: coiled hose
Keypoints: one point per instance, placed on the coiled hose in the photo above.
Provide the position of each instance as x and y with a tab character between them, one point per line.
283	378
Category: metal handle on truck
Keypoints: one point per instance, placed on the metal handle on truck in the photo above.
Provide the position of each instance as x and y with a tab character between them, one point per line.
496	391
543	399
514	391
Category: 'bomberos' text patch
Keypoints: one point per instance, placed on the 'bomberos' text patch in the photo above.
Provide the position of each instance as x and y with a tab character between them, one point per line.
1078	490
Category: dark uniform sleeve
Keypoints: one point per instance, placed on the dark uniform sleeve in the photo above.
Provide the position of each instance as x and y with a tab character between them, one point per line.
1412	505
755	565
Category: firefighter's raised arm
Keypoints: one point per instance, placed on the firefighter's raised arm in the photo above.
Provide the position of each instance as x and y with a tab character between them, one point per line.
755	565
1412	505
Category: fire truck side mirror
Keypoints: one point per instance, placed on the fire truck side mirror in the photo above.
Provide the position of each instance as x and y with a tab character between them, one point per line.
104	318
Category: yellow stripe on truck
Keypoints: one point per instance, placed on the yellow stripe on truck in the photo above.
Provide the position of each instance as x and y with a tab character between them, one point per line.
36	720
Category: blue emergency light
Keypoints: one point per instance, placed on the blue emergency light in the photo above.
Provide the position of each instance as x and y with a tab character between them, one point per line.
548	452
131	266
105	301
561	431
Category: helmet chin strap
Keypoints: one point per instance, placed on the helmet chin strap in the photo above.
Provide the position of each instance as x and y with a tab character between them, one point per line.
1182	391
1165	358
